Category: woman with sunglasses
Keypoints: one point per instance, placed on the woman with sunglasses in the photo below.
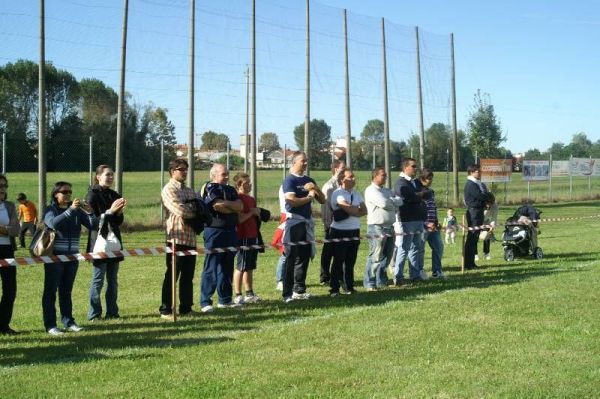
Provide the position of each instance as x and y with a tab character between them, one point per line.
9	227
107	204
66	217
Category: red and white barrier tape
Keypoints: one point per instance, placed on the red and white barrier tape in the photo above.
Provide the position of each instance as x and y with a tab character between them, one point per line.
154	251
487	226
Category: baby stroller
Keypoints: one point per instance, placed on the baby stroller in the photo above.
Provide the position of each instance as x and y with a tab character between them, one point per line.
520	234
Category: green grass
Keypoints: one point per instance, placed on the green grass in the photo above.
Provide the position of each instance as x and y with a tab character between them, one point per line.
522	329
142	189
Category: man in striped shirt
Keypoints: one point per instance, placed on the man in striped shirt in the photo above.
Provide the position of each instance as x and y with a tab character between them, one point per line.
432	226
178	202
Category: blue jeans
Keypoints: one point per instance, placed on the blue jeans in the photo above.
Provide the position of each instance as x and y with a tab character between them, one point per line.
100	269
434	239
380	255
279	270
218	268
411	246
59	276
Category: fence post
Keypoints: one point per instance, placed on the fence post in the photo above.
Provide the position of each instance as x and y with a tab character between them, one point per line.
162	176
3	153
91	156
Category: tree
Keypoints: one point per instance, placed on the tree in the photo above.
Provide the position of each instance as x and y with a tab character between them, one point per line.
319	143
214	141
484	131
534	154
373	132
580	145
269	142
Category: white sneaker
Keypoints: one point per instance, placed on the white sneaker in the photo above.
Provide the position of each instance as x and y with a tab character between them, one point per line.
476	257
74	328
238	300
304	295
288	299
279	286
228	305
423	276
55	331
487	257
252	299
207	309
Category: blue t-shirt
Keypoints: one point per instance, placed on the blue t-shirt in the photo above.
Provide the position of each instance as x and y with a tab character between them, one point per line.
295	184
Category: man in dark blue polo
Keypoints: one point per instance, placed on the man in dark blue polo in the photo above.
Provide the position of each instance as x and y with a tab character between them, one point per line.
299	191
223	202
475	197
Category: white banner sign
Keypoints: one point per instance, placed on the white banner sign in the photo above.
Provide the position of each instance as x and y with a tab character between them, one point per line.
536	170
560	168
585	167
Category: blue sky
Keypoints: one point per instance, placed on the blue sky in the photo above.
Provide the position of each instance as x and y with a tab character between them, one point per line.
534	58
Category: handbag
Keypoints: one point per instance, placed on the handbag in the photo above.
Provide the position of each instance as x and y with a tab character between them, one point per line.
42	243
109	244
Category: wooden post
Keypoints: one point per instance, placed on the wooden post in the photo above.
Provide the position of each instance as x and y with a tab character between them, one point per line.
465	230
174	283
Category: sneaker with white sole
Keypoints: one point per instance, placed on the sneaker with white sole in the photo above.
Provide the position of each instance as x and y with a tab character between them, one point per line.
304	295
74	328
239	300
167	316
228	305
288	299
476	257
423	276
487	257
252	298
279	286
439	275
55	331
207	309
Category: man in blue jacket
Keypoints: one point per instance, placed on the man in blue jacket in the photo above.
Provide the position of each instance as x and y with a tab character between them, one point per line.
475	197
411	216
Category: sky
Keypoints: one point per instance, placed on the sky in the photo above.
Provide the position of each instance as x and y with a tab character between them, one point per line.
533	58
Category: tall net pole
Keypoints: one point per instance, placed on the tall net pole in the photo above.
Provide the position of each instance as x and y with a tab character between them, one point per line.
42	113
454	125
190	154
386	119
347	92
121	106
420	103
307	99
253	108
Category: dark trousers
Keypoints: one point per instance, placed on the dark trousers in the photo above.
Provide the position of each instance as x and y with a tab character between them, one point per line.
486	246
184	266
344	259
296	262
26	226
9	287
58	276
217	274
326	256
474	218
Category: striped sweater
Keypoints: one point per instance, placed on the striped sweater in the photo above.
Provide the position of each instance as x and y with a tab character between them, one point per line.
67	223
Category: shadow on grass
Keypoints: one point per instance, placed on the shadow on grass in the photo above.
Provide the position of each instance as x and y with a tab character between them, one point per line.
135	337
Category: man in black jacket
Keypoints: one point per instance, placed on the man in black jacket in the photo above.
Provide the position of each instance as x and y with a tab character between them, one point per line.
475	196
411	215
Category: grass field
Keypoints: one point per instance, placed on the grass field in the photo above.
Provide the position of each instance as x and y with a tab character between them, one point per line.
522	329
142	189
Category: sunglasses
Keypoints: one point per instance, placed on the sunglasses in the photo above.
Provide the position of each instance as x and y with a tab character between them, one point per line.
65	192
